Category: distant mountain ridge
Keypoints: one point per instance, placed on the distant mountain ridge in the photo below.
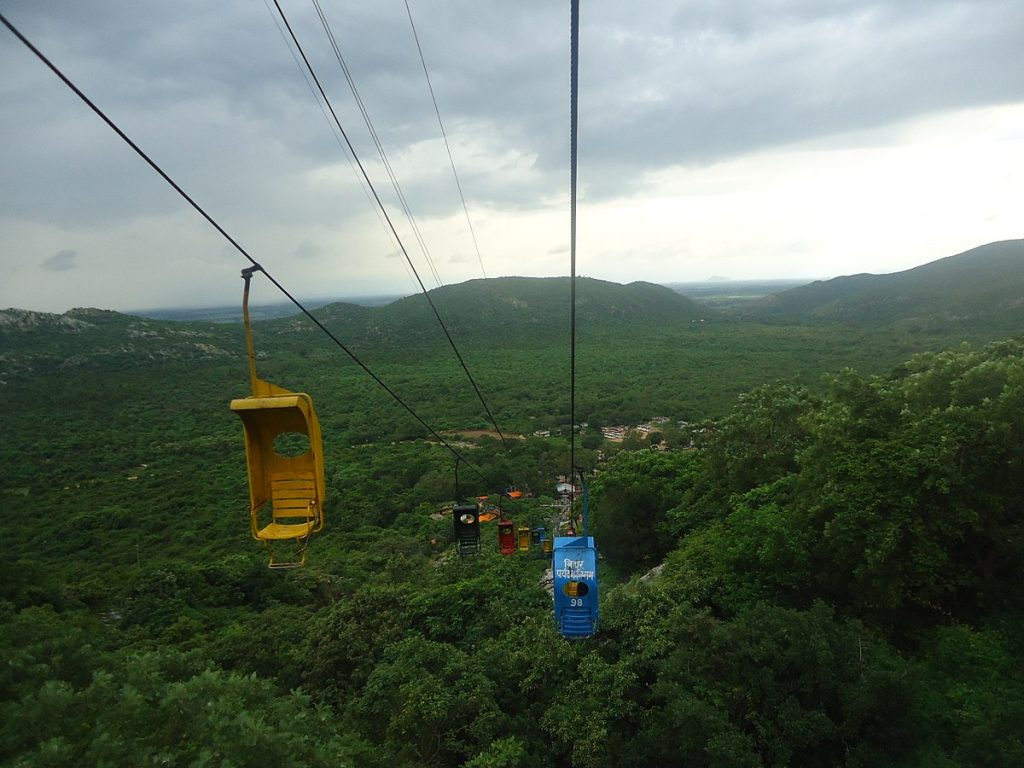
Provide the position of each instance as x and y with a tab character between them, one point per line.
984	285
521	307
507	310
982	288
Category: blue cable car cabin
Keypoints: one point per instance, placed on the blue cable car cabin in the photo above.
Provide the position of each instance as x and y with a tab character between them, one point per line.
466	520
541	543
575	572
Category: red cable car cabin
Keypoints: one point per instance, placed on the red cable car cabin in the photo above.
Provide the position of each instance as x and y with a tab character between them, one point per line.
506	537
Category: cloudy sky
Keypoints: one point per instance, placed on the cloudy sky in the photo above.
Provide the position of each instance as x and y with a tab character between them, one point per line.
776	138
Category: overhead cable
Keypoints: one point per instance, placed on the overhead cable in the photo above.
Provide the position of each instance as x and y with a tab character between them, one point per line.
574	68
426	294
334	133
377	143
202	212
444	135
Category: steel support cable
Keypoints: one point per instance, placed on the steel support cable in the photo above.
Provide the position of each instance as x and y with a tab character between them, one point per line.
444	135
202	212
334	133
574	37
403	202
430	301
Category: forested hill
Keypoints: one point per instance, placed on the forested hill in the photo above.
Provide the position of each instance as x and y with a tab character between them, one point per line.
42	343
519	309
540	301
508	310
838	576
980	287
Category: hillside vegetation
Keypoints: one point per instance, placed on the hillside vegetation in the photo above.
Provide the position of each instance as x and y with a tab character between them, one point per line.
514	311
981	288
837	558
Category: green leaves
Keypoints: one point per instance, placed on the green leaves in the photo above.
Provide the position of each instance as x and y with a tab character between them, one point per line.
908	477
972	696
896	498
769	686
589	716
832	577
165	708
429	702
630	501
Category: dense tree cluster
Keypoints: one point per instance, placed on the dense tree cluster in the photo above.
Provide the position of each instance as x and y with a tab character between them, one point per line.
830	577
838	582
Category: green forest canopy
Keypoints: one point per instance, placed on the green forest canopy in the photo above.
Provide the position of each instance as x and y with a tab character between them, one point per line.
839	571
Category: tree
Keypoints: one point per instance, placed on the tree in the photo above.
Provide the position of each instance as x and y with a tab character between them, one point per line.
914	484
428	703
758	442
168	708
630	501
589	715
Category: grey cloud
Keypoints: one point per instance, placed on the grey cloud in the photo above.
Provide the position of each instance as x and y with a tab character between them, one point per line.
727	83
698	82
62	261
212	93
308	250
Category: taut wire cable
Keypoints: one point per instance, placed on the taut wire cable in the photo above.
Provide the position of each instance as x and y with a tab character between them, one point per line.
202	212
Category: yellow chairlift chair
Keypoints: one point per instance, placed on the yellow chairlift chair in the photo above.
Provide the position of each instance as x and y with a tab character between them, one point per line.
285	457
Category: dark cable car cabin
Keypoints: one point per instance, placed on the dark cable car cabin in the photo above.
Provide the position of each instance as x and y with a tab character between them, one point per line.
524	538
284	455
506	537
575	572
541	541
466	520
